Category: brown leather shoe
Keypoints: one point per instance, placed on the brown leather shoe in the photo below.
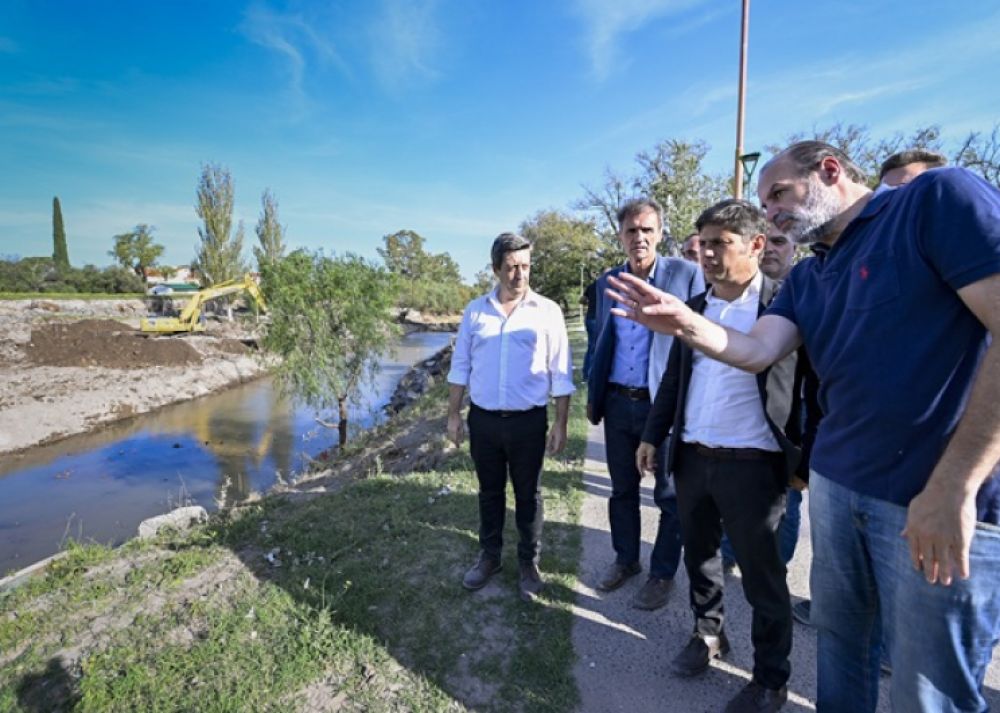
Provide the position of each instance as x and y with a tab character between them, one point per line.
616	576
654	594
530	581
480	573
700	650
754	698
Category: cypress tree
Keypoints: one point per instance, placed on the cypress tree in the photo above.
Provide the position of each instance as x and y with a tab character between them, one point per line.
60	255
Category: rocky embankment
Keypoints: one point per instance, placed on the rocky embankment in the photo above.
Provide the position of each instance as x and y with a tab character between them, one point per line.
419	379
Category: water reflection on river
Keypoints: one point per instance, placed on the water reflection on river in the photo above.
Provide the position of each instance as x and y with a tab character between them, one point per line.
100	485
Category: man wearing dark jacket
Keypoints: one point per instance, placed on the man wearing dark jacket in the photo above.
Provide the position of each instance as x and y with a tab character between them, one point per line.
731	459
626	365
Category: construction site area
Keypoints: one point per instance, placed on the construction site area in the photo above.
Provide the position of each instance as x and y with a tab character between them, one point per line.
69	366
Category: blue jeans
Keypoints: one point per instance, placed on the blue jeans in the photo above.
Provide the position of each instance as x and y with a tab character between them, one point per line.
624	420
940	639
788	530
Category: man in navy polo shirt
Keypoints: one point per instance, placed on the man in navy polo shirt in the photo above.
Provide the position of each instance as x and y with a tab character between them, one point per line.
894	312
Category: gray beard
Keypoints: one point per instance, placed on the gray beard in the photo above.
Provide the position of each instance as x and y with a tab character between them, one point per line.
817	217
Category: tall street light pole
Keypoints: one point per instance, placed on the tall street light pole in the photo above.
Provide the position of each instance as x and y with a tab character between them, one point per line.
738	183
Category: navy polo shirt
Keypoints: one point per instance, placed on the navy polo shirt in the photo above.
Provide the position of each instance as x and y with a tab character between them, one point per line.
895	349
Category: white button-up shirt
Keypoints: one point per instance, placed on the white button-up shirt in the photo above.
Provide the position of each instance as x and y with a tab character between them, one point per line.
723	408
512	362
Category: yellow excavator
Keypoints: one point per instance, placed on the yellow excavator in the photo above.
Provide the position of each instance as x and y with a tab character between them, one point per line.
189	320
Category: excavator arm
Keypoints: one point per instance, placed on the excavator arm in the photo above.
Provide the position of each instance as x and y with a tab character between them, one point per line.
188	320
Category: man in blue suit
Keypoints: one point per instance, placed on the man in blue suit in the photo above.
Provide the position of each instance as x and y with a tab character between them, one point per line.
627	362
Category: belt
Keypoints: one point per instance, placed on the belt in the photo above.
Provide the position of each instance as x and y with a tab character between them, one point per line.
507	414
635	393
731	453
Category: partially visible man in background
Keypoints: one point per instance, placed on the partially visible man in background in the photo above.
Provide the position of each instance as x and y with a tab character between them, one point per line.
689	248
901	168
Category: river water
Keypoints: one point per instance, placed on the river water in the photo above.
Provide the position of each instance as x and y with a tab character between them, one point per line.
100	485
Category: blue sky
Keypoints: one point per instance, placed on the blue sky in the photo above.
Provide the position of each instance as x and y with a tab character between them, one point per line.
454	118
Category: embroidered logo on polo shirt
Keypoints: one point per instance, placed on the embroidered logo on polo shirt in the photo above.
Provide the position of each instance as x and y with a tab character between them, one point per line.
863	272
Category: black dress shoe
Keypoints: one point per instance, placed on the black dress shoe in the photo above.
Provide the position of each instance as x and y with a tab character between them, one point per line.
617	574
480	573
754	698
654	594
695	657
530	581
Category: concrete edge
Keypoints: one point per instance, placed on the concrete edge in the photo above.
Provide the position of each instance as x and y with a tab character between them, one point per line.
12	581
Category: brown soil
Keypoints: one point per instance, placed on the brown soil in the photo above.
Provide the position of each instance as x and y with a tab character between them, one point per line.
105	343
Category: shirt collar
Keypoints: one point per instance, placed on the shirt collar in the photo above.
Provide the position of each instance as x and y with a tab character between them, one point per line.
530	297
752	292
652	270
878	201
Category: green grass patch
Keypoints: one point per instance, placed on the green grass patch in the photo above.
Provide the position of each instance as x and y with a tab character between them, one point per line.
351	600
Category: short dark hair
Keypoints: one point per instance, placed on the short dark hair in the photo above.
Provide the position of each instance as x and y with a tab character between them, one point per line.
807	155
636	206
904	158
507	243
735	215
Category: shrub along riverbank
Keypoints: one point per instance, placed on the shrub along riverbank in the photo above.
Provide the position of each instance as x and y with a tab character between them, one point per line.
346	599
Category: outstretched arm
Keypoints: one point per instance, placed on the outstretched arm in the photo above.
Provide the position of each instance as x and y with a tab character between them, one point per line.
771	338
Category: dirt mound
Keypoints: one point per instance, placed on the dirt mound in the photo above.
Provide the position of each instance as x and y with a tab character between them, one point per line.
231	346
105	343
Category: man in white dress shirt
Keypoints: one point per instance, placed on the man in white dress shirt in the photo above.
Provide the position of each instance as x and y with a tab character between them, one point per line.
511	353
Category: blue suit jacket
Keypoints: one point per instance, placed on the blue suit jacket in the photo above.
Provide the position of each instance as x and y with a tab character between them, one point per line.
678	277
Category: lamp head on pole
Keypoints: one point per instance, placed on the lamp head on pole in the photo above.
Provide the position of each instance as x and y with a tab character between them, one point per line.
749	161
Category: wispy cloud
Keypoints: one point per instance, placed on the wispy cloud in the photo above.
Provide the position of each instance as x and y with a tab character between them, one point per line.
292	38
404	36
606	22
7	45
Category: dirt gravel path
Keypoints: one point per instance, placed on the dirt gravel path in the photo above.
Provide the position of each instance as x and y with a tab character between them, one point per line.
624	654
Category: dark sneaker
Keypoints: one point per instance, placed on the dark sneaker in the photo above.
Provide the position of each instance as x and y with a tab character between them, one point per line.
530	581
754	698
695	657
654	593
480	573
801	611
616	576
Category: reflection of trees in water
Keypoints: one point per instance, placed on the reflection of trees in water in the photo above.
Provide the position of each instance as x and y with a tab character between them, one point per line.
252	434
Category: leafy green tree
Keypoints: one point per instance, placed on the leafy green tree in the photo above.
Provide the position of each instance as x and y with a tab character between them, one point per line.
404	255
564	255
219	256
270	233
673	173
135	250
60	253
485	281
330	323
